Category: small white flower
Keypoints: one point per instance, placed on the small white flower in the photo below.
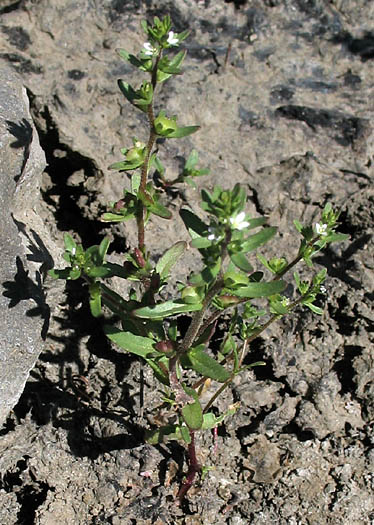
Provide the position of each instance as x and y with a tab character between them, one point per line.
212	234
172	40
321	229
149	49
322	289
238	222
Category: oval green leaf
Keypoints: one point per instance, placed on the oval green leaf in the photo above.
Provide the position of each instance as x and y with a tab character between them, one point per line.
258	239
169	258
182	132
135	344
253	290
193	415
162	310
202	363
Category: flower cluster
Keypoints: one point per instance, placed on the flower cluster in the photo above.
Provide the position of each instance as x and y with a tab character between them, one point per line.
150	50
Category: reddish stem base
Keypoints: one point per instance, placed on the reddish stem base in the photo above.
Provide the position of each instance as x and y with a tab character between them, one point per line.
193	468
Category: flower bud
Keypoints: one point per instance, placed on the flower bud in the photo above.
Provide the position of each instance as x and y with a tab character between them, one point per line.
164	125
229	300
190	295
137	153
166	346
119	205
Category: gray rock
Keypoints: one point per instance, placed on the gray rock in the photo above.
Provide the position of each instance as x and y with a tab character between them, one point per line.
21	300
329	411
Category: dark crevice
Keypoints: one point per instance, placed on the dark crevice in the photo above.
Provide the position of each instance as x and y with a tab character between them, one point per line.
255	200
8	426
11	7
68	171
343	316
344	369
237	3
362	46
345	129
30	492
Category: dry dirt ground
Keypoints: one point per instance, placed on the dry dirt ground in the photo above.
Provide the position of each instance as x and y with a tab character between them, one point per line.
282	90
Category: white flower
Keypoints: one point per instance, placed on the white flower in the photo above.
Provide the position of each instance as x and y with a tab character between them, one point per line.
172	40
149	49
213	234
321	229
238	222
322	289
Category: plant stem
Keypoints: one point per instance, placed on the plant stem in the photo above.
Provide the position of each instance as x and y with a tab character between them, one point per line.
246	343
198	318
295	260
193	468
145	166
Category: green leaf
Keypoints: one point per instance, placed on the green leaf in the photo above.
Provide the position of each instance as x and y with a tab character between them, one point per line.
232	279
154	437
70	244
103	248
172	66
159	166
135	182
275	265
191	161
253	290
258	239
135	97
337	237
193	415
241	262
201	362
159	371
201	242
126	165
206	276
98	271
162	310
182	132
314	308
60	274
160	211
115	217
211	421
118	270
135	344
169	259
256	222
185	434
130	58
277	307
95	300
193	222
113	300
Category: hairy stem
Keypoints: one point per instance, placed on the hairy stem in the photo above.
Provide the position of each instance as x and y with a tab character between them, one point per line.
198	318
144	171
193	468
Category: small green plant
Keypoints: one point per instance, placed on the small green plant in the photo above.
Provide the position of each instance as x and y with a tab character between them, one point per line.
186	364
